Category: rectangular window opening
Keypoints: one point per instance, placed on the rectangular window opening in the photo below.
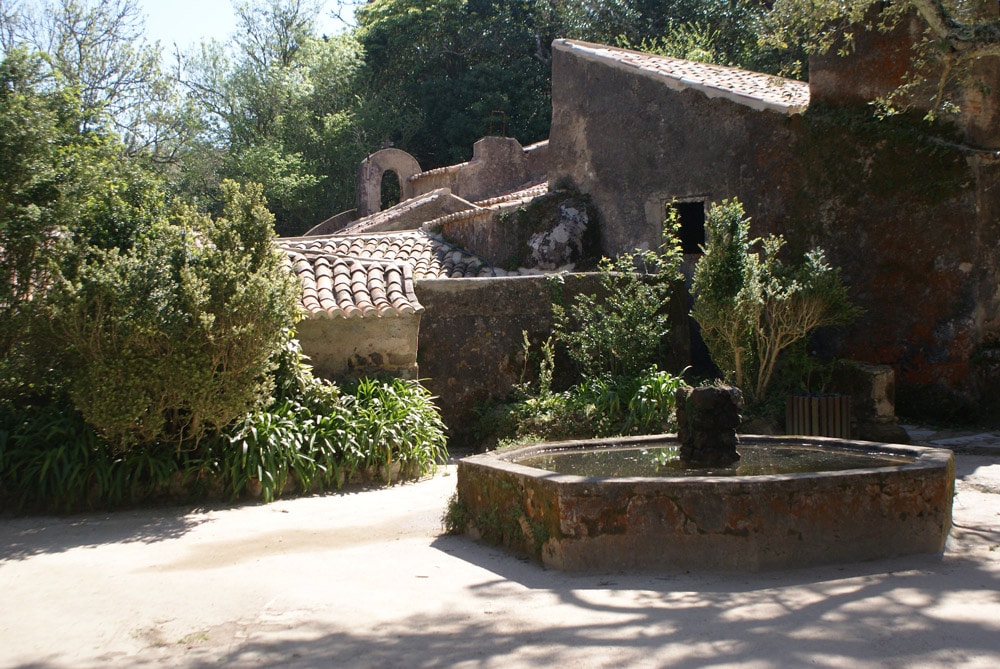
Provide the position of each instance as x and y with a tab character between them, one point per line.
692	220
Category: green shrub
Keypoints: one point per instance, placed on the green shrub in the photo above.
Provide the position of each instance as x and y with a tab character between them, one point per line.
52	460
395	421
751	306
620	333
304	435
615	340
63	191
651	407
600	406
175	339
314	436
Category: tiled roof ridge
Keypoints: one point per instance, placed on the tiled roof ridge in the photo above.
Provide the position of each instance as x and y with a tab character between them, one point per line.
447	169
753	89
532	191
348	258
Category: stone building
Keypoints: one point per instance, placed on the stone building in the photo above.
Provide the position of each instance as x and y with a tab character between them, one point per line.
909	214
911	218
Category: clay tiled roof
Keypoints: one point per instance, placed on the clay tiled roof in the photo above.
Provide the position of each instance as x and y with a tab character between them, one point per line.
351	288
753	89
371	274
427	256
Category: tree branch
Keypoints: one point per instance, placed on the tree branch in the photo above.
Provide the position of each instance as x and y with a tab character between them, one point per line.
969	40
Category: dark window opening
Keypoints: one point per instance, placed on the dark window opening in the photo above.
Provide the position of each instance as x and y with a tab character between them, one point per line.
391	190
692	220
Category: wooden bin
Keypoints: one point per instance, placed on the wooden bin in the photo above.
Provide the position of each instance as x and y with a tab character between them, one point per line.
818	415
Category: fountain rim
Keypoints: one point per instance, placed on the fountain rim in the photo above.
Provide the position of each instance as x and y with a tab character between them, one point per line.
923	457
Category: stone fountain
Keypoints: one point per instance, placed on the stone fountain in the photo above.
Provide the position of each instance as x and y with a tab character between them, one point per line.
690	505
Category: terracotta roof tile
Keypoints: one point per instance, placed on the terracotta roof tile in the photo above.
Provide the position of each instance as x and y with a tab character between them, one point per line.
756	90
425	255
335	287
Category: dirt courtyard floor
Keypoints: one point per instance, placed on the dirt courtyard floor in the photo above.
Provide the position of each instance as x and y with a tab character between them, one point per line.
366	579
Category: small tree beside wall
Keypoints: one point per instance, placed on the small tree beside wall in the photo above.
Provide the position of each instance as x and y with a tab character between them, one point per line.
751	306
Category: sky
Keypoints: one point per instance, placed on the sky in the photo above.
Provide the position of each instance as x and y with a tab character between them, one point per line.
187	22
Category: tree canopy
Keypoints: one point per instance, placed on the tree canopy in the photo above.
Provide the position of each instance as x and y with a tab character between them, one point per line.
296	111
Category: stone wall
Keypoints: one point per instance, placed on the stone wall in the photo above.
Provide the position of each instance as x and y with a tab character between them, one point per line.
548	233
499	165
912	221
471	349
361	346
471	338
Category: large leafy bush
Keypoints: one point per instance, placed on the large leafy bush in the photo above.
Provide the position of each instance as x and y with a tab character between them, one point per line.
615	338
620	332
174	338
318	437
312	437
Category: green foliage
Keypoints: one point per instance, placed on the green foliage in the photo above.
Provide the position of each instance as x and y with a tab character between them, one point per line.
600	406
99	49
52	460
268	446
312	437
435	71
320	438
723	33
141	341
278	106
456	517
955	35
641	404
615	341
395	421
620	333
751	306
651	408
29	188
64	194
174	339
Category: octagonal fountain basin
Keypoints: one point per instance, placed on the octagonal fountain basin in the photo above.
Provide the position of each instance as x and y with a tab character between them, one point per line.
622	504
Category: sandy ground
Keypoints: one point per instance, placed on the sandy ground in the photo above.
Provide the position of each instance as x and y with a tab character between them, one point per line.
365	579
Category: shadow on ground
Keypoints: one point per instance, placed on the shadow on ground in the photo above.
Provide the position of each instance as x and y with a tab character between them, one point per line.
850	616
36	535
